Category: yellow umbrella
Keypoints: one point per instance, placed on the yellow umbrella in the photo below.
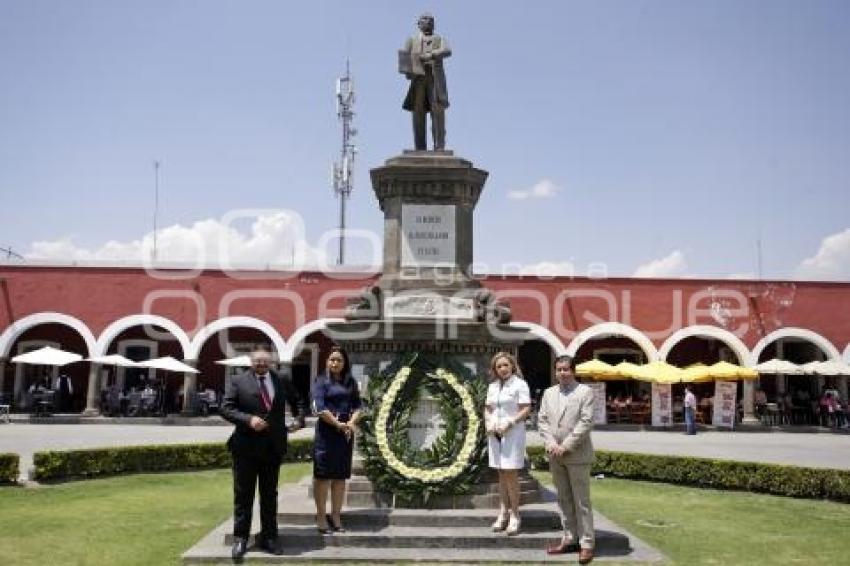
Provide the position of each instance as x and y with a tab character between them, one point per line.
659	372
731	372
697	373
626	370
611	377
596	369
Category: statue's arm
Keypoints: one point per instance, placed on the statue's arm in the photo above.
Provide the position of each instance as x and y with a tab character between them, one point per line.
443	51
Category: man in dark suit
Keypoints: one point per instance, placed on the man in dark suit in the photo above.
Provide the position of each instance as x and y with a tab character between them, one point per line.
255	402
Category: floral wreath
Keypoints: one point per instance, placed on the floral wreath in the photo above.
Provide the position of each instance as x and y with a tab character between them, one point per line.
454	462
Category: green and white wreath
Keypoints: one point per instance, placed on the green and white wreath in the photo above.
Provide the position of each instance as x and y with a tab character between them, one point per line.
455	460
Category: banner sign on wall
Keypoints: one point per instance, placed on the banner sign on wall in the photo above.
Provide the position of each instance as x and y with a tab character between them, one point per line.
600	415
662	404
725	403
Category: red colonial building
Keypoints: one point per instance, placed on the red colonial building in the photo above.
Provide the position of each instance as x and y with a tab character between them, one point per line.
201	317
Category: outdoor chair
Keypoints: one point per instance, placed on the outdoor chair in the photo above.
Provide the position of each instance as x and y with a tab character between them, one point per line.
134	404
113	404
208	406
640	414
43	403
148	404
772	414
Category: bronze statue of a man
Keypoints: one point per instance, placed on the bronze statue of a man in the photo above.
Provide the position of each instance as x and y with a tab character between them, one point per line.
421	61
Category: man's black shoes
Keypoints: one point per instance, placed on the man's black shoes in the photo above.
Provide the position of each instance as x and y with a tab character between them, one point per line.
240	547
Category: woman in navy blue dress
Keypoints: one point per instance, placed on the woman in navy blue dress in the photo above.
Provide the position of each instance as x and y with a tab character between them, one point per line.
336	401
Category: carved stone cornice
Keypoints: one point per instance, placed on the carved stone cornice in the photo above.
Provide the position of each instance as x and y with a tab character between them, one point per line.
416	176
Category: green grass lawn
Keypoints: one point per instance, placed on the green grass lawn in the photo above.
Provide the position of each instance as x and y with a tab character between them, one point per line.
150	519
703	526
146	519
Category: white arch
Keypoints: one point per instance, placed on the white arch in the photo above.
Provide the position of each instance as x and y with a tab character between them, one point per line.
112	331
706	331
613	329
801	333
17	328
542	333
847	354
300	334
216	326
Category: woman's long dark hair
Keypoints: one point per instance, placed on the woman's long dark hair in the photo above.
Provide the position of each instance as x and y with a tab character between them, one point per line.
345	374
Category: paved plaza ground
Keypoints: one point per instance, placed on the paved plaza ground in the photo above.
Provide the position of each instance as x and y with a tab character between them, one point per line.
822	450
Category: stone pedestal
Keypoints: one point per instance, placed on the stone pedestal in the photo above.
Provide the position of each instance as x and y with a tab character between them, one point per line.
427	198
426	300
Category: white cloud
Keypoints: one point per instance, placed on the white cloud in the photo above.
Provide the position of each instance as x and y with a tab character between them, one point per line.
273	238
832	260
673	265
544	188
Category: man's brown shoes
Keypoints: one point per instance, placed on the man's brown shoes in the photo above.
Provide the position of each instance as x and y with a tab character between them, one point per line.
585	555
563	547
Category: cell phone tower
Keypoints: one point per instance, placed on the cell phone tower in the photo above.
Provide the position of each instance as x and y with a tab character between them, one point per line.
343	170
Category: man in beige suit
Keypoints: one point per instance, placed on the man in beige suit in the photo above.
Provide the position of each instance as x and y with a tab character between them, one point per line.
564	421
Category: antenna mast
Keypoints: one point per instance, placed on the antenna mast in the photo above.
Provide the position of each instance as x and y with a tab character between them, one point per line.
343	170
10	253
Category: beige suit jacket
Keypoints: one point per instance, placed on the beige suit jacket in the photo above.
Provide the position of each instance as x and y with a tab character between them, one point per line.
567	419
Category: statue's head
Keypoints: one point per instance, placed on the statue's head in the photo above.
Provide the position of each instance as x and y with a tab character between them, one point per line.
426	23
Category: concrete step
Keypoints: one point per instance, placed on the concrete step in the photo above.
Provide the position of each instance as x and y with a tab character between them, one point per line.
361	493
393	555
487	501
421	537
433	535
533	519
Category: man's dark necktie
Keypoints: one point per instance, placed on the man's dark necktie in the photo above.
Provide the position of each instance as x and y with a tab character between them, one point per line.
264	394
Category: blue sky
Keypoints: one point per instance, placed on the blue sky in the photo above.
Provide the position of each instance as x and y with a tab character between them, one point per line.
664	137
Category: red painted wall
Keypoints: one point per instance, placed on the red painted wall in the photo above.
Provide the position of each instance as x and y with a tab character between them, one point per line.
657	307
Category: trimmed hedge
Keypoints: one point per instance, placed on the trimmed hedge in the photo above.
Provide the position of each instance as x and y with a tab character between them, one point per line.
88	463
791	481
9	464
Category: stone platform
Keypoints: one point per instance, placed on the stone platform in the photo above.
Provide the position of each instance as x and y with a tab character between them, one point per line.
484	495
391	535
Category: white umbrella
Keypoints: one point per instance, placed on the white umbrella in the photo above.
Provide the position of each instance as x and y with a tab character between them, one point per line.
168	364
829	367
112	360
238	361
809	368
776	366
47	356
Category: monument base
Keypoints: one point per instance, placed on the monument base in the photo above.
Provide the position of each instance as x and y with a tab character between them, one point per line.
391	536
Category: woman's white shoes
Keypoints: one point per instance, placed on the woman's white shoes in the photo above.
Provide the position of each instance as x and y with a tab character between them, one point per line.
501	523
513	525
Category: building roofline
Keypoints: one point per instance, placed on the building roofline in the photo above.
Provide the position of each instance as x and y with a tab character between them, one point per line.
366	272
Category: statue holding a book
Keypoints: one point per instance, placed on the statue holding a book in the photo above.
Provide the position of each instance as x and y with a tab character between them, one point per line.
421	61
